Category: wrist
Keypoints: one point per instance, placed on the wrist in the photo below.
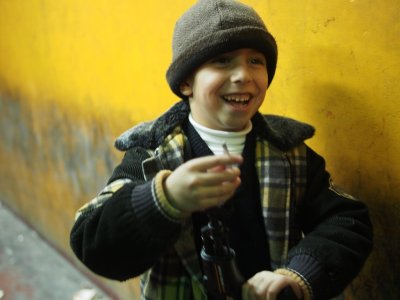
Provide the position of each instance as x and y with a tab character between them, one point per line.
306	289
164	198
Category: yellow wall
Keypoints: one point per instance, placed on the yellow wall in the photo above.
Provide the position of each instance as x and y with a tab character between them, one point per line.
74	74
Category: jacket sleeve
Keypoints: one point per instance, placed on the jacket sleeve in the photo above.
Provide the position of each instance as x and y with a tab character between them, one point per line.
337	234
122	232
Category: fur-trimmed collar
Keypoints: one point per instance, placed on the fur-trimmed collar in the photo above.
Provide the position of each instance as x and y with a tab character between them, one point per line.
284	133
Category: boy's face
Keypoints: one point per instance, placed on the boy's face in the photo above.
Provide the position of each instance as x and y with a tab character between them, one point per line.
225	92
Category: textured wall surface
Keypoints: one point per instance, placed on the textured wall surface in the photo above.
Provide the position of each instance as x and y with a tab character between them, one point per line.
75	74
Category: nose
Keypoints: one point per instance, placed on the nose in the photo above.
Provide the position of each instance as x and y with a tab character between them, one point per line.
241	74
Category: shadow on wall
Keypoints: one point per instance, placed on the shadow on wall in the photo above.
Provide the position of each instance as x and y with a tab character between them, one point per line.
48	141
358	141
52	162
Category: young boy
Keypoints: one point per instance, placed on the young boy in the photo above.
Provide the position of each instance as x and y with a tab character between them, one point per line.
288	225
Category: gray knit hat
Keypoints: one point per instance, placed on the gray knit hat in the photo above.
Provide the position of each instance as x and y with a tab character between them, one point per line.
212	27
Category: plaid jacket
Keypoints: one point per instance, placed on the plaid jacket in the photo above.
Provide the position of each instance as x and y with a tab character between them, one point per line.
175	273
282	180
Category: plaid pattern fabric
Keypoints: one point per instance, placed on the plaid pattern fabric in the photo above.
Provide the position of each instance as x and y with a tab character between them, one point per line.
177	274
282	177
167	279
103	196
167	156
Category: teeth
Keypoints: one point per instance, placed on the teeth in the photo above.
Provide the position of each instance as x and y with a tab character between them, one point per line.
237	98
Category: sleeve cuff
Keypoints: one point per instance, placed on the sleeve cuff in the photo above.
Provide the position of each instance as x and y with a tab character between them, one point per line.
165	204
305	287
313	273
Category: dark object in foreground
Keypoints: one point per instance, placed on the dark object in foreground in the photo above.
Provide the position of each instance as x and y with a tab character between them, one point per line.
222	278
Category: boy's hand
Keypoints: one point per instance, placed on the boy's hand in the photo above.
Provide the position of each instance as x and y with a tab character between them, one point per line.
203	182
267	285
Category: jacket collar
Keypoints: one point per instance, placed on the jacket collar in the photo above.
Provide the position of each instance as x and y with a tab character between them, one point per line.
282	132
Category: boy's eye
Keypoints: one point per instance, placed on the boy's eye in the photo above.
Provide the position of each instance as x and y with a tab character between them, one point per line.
257	61
222	60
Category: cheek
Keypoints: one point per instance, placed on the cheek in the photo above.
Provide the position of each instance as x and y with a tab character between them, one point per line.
208	82
263	84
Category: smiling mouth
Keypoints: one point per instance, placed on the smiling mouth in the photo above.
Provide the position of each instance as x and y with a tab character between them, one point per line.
237	99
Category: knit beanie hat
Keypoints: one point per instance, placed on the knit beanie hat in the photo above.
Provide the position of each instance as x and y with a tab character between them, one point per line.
213	27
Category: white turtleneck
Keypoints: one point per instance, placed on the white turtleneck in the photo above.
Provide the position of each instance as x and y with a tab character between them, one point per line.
234	140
